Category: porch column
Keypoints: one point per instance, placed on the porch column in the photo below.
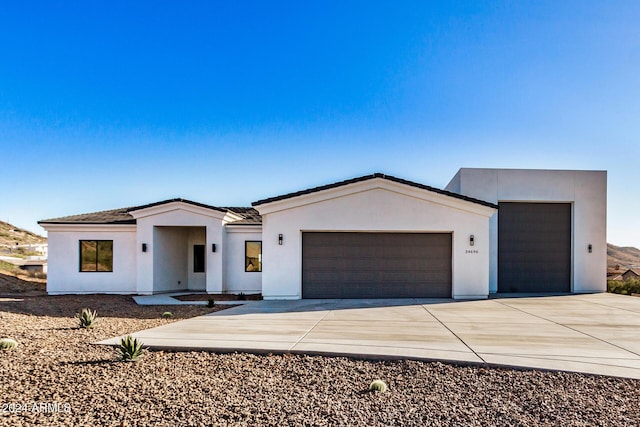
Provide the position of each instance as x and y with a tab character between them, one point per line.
144	260
214	259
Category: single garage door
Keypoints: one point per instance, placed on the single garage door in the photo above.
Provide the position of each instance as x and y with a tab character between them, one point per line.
376	265
534	247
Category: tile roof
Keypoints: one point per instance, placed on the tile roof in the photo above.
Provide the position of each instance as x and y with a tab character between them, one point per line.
633	271
114	216
123	216
250	216
373	176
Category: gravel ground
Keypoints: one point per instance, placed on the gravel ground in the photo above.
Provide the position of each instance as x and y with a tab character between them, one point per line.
55	363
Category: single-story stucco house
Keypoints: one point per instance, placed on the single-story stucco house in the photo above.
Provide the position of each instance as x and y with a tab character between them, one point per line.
489	231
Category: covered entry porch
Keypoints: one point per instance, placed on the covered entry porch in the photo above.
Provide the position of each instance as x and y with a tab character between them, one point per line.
180	247
179	258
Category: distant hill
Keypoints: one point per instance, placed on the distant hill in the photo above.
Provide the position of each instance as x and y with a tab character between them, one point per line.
10	235
625	256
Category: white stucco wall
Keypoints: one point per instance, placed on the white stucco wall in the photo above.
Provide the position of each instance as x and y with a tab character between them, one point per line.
586	190
236	279
64	276
196	236
170	259
373	205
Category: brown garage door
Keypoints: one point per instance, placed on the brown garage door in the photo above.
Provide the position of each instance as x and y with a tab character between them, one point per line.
376	265
534	247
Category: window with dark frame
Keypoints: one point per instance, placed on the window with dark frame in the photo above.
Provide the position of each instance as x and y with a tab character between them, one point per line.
198	258
253	256
96	256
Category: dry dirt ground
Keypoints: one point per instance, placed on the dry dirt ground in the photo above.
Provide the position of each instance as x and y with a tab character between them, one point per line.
13	284
55	377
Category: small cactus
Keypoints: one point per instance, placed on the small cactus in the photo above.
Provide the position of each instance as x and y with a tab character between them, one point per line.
378	385
130	349
167	315
211	303
87	318
8	344
242	296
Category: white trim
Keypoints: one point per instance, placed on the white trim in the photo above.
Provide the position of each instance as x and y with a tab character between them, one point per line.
242	228
90	227
174	206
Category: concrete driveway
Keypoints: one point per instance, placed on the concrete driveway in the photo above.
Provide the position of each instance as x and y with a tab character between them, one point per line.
597	333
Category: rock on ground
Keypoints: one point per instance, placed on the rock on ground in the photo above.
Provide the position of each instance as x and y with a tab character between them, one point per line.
56	364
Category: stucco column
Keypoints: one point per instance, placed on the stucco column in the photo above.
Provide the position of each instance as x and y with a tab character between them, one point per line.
214	259
144	265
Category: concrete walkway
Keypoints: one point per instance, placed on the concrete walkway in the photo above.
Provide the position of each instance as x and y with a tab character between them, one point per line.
598	333
168	299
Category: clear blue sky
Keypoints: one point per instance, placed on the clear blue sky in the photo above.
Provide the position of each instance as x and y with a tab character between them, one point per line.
106	104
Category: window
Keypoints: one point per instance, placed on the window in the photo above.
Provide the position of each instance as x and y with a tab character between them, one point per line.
96	255
198	258
252	256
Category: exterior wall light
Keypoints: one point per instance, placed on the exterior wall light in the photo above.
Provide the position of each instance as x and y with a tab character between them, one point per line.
590	248
280	239
144	247
213	247
472	240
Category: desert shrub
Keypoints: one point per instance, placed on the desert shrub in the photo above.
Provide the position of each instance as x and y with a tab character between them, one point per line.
378	385
211	303
624	287
8	344
130	349
167	315
87	319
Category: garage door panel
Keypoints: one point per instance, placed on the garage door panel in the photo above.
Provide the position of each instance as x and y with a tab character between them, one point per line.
534	247
411	275
376	265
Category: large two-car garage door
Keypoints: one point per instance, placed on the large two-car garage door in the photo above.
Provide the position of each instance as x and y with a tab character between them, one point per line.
534	247
376	265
